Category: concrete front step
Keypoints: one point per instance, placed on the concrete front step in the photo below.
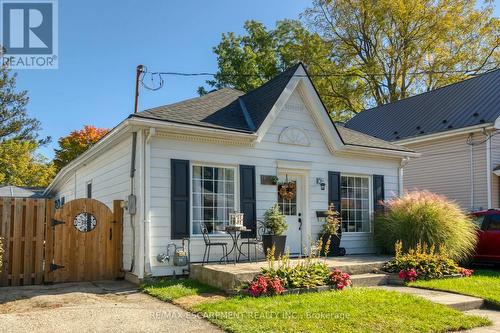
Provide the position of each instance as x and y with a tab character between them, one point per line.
228	277
368	280
456	301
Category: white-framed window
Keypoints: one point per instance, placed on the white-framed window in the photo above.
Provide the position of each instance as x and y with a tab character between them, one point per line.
214	191
356	203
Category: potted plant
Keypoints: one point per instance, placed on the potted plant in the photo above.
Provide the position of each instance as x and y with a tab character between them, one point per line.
332	233
275	224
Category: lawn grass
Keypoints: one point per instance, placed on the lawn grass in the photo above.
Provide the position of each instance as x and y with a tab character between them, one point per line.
353	310
171	289
484	284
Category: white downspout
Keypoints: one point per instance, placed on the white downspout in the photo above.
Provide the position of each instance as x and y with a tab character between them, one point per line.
404	162
146	200
488	169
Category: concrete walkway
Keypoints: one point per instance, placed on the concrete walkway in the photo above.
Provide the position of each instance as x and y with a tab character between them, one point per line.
107	306
492	315
456	301
470	305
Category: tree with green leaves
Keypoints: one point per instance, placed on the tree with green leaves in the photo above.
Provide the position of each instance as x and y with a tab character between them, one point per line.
245	62
15	124
21	165
362	53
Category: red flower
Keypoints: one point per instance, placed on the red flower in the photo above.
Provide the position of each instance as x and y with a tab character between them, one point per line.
409	275
340	279
265	285
465	272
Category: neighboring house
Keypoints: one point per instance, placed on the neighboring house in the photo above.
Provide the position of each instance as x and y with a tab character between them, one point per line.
197	160
21	191
455	128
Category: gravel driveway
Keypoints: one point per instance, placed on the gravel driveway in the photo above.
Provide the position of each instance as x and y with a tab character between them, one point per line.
105	306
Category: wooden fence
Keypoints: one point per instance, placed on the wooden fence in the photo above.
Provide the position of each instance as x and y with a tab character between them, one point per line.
23	224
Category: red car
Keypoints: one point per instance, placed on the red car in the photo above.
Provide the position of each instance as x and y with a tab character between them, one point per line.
488	246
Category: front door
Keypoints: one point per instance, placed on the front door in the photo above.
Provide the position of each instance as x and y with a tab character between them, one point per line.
292	207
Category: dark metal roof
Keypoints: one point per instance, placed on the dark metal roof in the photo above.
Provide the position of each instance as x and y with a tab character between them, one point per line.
467	103
21	191
229	109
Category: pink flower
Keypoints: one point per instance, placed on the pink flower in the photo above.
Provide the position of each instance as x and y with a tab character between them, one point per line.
265	285
409	275
340	279
465	272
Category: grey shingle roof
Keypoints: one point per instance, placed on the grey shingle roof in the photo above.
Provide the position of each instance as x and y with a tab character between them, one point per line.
21	192
470	102
354	138
223	109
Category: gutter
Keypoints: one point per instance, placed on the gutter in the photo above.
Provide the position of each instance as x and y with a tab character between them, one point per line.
446	134
380	151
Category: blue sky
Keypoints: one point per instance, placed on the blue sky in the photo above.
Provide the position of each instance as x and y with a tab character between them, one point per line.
101	43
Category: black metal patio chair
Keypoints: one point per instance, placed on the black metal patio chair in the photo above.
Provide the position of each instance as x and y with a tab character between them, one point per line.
256	241
209	244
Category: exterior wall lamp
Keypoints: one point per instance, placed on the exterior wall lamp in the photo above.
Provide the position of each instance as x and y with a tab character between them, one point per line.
321	182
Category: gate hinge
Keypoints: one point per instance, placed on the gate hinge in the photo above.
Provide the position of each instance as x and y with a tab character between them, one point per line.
54	267
56	222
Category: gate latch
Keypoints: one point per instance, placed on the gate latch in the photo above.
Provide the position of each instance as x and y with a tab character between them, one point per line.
54	267
56	222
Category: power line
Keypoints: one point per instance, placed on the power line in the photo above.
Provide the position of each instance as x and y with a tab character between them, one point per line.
159	75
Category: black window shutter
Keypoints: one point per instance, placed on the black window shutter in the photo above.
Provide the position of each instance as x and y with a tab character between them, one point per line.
334	189
180	198
378	192
248	198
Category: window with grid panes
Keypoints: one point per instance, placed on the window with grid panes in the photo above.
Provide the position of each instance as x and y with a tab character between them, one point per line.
355	203
213	194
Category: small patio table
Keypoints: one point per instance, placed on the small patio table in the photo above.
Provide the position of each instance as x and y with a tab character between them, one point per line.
235	233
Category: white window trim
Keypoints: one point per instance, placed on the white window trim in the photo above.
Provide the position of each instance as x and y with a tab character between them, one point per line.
236	194
370	203
87	189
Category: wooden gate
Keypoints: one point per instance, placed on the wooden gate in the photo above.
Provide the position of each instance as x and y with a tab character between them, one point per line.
81	241
87	242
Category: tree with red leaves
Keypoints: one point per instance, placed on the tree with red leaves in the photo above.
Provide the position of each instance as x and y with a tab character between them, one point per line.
77	142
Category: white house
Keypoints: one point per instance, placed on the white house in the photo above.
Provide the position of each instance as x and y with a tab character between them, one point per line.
195	161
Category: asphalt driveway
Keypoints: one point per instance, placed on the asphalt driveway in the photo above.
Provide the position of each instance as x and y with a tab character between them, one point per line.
105	306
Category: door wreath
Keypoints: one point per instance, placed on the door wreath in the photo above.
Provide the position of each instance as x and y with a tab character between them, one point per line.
287	190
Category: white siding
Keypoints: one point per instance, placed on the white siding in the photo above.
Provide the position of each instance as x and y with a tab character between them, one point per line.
263	156
109	173
445	168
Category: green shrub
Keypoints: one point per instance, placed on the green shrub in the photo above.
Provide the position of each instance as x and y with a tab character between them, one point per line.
427	262
275	221
426	218
303	275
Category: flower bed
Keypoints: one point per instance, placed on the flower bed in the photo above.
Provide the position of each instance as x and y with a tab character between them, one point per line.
311	275
422	263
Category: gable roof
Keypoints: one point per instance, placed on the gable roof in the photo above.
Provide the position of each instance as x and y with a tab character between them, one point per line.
233	110
471	102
